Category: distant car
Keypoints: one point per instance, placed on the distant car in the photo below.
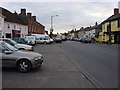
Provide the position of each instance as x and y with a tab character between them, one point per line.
31	40
80	39
75	39
86	40
51	40
57	40
43	40
24	61
17	45
19	40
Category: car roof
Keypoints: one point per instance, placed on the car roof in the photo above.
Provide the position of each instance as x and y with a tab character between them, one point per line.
5	38
2	42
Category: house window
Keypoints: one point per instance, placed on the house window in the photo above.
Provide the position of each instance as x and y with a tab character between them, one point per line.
14	26
109	27
118	23
8	25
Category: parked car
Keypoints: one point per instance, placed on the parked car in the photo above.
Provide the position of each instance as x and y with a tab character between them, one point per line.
43	40
31	40
75	39
80	39
19	40
86	40
57	40
51	40
24	61
17	45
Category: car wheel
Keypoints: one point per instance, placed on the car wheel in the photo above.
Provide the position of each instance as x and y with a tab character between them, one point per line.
21	49
45	42
24	66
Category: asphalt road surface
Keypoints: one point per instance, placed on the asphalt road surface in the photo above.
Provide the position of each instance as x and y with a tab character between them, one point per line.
69	65
98	62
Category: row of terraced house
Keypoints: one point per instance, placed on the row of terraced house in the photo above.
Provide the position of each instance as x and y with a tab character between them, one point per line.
106	32
19	25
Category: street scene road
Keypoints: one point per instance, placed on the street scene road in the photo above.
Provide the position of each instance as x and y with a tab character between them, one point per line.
69	64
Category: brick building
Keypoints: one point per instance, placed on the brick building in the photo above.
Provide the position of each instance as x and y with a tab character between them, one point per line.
34	27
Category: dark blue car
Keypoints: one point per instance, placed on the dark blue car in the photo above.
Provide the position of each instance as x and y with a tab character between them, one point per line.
19	40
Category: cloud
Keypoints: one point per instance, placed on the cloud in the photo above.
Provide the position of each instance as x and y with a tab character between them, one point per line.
60	1
79	14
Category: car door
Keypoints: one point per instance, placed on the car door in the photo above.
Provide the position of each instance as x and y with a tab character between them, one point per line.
7	58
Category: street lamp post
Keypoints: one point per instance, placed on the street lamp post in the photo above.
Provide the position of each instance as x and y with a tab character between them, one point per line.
51	29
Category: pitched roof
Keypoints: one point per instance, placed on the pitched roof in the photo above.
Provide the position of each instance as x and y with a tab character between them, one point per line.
112	18
11	17
98	26
27	18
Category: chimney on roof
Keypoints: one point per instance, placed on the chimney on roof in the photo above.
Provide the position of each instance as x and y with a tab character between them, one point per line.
23	11
34	18
29	15
96	24
116	11
15	12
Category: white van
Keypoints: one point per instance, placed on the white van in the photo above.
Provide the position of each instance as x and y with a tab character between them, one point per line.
42	38
30	40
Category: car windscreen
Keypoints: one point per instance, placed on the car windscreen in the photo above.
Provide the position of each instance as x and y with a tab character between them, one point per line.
13	41
10	47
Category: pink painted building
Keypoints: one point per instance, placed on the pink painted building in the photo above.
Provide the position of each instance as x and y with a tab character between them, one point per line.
13	25
15	30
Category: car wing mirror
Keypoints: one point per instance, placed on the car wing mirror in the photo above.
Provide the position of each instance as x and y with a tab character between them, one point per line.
8	52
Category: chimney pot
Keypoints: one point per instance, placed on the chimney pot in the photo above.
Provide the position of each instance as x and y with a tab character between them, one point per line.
116	11
29	15
23	11
34	18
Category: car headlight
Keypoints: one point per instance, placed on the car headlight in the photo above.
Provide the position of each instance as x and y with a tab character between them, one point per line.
37	58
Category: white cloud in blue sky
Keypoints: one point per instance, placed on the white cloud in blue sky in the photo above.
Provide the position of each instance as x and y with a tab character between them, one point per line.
79	14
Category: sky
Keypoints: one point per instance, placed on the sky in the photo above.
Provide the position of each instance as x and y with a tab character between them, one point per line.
71	14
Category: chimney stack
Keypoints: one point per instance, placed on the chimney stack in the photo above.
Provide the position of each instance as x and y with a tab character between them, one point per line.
34	18
23	11
29	15
116	11
15	12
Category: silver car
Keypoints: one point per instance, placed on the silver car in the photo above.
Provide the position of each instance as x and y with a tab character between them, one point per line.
24	61
18	45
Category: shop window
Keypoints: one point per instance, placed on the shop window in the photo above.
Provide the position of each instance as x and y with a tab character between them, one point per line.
8	35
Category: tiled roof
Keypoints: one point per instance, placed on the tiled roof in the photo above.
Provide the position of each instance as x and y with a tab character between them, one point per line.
91	28
112	18
27	18
11	17
98	26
